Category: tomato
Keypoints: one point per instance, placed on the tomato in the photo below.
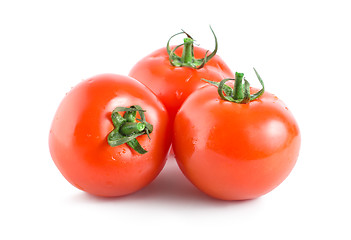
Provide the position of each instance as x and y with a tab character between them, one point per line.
173	78
235	150
86	123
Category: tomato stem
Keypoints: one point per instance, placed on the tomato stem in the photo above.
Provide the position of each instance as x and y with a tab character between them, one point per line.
240	93
188	59
127	129
132	127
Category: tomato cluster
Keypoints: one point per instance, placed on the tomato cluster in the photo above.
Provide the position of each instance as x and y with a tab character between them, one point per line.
111	134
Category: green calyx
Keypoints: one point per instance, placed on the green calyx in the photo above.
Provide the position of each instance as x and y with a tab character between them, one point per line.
127	129
187	59
240	93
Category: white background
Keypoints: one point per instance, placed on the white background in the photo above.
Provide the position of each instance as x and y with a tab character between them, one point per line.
300	48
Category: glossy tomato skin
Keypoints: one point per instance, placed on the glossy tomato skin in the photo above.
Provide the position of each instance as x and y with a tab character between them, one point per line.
78	137
235	151
174	84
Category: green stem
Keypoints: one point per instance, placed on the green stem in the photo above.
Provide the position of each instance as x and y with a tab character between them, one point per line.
188	52
238	92
132	127
127	129
188	59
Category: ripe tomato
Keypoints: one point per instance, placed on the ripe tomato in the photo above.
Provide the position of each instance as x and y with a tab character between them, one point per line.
234	151
174	78
82	126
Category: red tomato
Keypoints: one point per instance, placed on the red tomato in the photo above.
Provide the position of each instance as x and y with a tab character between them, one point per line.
173	84
78	137
235	151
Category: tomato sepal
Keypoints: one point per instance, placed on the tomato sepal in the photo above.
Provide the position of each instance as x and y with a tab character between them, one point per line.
240	93
188	59
126	129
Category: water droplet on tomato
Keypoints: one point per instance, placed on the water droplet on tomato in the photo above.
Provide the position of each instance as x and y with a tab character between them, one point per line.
275	99
187	80
178	94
